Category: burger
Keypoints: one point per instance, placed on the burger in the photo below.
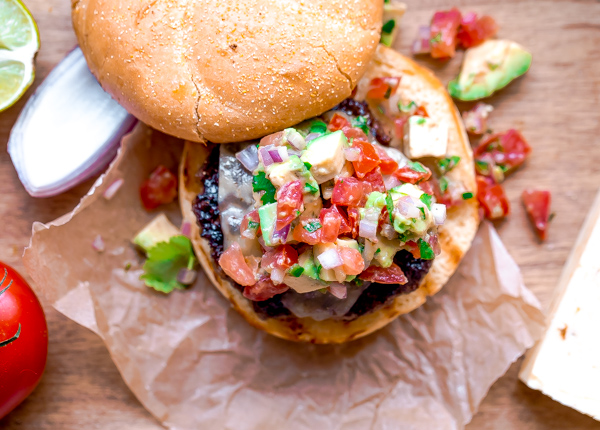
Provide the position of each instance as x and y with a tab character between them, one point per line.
329	181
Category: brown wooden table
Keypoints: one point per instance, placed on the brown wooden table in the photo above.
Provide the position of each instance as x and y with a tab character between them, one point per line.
557	108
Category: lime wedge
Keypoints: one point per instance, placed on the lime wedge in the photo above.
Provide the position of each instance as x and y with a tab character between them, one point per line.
19	42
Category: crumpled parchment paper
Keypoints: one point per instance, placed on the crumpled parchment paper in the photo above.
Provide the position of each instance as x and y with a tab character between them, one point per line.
195	363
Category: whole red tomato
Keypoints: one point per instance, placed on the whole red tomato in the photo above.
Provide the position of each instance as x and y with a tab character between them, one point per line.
23	340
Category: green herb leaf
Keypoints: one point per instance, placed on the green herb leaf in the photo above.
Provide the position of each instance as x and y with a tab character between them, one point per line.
312	226
318	126
417	167
435	39
422	209
261	183
388	27
425	250
362	123
408	108
307	165
310	188
296	270
421	121
482	167
448	163
443	184
252	225
468	195
389	203
165	260
426	198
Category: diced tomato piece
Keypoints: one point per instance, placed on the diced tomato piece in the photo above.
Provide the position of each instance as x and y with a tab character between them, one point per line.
353	221
399	124
264	289
308	231
474	31
331	222
375	179
413	248
159	189
347	192
368	158
382	88
428	187
537	205
354	133
289	203
444	28
507	150
381	275
235	266
492	198
250	225
413	174
352	261
272	139
283	257
387	165
335	212
421	111
338	122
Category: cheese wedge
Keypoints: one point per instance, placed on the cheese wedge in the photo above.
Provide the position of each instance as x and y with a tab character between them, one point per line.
565	363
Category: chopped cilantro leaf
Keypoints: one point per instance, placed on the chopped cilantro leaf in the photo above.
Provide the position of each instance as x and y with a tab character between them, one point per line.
421	121
252	225
165	260
417	167
408	108
311	188
443	184
378	251
388	93
389	203
437	38
482	167
425	250
426	198
448	163
312	226
468	195
261	183
362	123
388	27
307	165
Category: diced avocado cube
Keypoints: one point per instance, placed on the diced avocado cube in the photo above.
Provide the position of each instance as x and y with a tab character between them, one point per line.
325	154
268	217
423	137
306	261
386	250
160	229
347	243
392	12
488	68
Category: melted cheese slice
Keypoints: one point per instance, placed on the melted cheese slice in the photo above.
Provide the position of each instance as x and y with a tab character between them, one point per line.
565	363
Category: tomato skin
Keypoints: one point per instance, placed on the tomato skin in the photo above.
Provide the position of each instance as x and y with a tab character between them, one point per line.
367	160
354	133
382	88
491	198
289	203
23	360
407	174
352	261
347	192
537	205
331	223
375	179
335	212
338	122
399	124
264	289
387	165
421	111
235	266
159	189
508	149
474	31
389	275
444	28
283	257
247	231
353	221
300	234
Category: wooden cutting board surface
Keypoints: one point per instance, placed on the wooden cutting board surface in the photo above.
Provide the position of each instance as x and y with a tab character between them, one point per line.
556	106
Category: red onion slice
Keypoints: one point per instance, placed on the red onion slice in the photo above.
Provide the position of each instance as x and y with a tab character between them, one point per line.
265	155
330	259
83	124
112	189
248	157
338	290
368	229
390	181
280	236
407	207
295	139
311	136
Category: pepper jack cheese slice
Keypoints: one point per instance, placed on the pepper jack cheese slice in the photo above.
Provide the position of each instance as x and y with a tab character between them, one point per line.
565	363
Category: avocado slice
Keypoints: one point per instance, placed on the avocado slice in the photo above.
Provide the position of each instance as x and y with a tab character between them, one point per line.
160	229
488	68
268	217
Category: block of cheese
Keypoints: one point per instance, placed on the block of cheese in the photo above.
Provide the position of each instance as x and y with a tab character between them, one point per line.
565	363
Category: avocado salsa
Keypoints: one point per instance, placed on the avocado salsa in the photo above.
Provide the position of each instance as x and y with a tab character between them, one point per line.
337	224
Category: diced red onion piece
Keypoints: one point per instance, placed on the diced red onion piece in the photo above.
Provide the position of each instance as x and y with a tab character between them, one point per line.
388	231
407	207
311	136
280	236
275	156
295	139
390	182
248	157
186	229
277	276
352	154
330	259
338	290
266	156
439	213
186	276
422	44
112	189
283	153
262	243
368	229
98	244
435	244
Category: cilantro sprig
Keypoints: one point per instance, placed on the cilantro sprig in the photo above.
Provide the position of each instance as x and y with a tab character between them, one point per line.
425	250
260	182
165	260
